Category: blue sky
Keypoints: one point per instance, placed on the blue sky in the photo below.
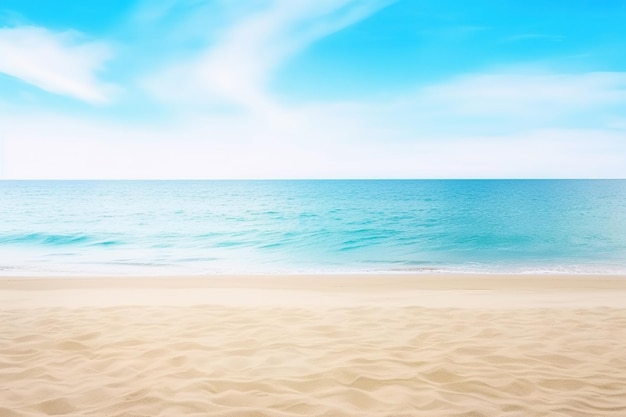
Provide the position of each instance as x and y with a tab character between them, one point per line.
312	89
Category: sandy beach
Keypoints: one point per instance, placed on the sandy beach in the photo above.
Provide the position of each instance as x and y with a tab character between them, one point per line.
366	345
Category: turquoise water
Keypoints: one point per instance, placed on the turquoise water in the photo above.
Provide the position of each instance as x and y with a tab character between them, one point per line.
196	227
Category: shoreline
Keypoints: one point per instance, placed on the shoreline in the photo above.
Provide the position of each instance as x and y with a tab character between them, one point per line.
464	279
157	272
387	290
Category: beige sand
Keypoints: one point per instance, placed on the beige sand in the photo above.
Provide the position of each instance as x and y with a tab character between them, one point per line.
397	345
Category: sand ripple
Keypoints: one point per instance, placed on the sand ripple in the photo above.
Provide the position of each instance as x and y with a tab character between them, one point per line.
360	361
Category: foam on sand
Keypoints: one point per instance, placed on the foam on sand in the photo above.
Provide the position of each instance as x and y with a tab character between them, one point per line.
321	346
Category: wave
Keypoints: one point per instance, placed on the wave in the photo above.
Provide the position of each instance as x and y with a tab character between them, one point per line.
52	239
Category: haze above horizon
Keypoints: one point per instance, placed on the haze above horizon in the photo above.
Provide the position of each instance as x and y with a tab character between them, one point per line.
201	89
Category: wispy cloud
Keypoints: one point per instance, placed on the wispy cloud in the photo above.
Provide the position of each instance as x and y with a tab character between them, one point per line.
57	62
236	68
504	102
520	94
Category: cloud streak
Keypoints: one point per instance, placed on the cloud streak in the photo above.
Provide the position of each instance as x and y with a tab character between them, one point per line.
57	62
498	103
237	67
520	93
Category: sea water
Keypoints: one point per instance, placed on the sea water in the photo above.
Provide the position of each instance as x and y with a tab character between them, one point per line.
207	227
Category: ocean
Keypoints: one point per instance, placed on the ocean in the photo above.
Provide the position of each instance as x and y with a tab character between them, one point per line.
311	226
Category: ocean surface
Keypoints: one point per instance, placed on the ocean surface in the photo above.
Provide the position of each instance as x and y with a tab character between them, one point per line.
201	227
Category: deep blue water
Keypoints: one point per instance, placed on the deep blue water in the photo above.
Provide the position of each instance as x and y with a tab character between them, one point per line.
195	227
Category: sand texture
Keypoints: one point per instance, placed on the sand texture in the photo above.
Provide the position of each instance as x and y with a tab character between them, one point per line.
323	352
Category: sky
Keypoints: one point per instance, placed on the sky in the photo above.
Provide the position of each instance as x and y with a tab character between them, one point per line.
216	89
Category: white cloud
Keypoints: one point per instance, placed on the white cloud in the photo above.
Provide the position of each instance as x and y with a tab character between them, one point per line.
490	105
522	94
57	62
237	67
